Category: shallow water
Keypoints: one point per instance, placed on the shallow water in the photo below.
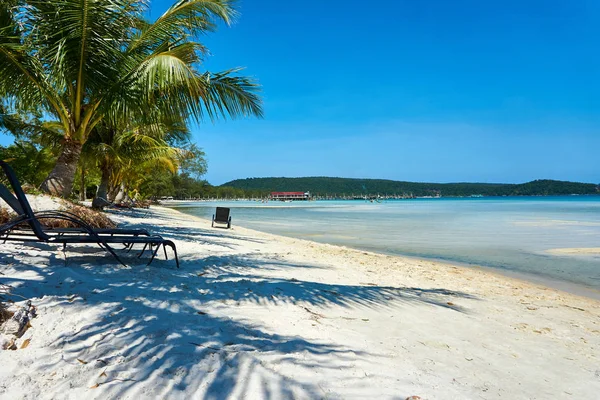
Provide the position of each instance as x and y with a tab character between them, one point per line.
510	234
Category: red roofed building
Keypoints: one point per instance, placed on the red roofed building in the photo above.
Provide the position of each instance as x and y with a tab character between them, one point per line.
290	195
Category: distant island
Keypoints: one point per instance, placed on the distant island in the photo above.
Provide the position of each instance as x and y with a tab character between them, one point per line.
358	188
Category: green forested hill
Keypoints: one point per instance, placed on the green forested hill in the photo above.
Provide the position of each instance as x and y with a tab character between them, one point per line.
348	186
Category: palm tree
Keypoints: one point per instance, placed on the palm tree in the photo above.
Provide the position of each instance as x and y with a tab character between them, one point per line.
86	62
121	151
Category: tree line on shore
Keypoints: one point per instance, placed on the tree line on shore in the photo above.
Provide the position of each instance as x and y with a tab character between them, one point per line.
348	187
100	98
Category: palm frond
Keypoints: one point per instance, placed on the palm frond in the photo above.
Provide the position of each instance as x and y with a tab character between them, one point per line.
231	96
184	18
23	77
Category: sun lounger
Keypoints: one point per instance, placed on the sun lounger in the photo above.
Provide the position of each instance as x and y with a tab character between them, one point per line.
82	234
13	203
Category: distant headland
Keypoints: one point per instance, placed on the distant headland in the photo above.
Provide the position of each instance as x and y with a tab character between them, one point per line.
360	188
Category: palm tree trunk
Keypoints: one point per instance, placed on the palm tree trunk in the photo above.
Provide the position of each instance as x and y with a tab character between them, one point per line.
102	193
82	191
60	181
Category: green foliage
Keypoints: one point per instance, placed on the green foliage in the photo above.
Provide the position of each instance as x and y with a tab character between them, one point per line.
157	183
193	163
36	146
91	178
31	162
161	183
358	187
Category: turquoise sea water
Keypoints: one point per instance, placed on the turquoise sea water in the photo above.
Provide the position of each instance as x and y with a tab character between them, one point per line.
509	234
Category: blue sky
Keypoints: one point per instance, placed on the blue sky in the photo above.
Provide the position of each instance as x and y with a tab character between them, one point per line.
488	91
445	91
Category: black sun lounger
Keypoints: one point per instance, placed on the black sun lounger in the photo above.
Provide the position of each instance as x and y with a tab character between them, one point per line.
222	217
82	234
12	201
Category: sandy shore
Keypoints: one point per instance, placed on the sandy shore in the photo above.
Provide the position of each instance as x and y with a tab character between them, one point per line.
576	251
252	315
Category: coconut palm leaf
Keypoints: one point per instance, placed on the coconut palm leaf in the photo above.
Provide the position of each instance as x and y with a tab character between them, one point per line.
230	95
183	19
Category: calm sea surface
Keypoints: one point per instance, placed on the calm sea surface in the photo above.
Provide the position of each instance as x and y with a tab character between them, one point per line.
510	234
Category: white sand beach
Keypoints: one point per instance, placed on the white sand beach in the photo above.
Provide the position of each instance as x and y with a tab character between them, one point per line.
576	251
251	315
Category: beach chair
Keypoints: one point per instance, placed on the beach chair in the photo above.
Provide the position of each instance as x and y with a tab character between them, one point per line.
13	203
222	217
12	230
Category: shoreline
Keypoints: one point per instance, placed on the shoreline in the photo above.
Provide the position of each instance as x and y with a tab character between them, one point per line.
543	196
538	282
541	283
572	288
255	315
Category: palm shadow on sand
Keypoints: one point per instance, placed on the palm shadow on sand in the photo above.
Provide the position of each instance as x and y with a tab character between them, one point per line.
153	330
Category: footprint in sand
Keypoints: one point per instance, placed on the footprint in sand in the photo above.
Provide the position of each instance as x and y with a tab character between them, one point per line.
523	327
